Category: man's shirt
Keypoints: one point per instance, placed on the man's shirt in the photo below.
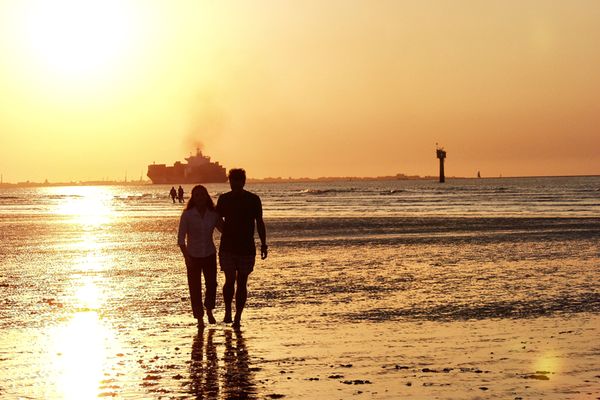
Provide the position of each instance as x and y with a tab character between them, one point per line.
239	211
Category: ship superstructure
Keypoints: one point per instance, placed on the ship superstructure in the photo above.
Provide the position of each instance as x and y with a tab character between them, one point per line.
199	169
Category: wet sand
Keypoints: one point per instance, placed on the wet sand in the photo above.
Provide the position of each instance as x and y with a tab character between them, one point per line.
87	356
95	304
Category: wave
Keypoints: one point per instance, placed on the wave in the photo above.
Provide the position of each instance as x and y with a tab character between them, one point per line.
391	192
140	196
531	308
331	191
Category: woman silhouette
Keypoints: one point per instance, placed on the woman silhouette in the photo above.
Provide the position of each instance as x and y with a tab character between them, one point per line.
197	224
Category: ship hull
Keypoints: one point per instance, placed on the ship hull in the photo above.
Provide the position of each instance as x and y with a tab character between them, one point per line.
180	173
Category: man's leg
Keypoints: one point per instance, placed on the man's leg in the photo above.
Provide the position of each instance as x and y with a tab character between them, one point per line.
228	290
241	294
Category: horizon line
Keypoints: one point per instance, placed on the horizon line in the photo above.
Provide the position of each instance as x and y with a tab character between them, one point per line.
400	177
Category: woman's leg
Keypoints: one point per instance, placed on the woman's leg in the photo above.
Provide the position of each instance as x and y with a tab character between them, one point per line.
210	281
194	275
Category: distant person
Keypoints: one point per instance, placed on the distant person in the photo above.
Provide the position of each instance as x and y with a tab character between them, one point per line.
173	193
240	210
180	194
197	224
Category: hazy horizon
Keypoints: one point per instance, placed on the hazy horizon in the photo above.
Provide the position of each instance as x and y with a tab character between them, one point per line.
311	89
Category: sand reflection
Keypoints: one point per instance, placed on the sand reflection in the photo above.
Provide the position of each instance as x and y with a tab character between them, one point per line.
88	296
238	378
548	361
79	355
233	379
80	348
204	369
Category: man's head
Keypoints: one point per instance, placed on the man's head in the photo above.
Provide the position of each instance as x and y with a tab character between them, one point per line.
237	178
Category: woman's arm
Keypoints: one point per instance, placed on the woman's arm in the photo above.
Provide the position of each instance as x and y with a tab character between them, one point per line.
181	233
184	250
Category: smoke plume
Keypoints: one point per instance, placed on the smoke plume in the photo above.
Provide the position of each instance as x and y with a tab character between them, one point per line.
207	121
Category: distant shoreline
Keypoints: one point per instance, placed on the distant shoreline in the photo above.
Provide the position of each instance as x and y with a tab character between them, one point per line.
399	177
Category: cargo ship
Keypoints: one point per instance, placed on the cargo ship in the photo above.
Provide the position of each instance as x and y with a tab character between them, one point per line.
199	169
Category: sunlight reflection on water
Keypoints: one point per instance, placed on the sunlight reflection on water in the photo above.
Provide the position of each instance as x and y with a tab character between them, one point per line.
79	350
88	295
89	206
90	262
78	354
548	361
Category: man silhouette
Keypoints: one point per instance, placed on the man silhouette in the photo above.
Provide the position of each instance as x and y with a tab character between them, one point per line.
240	210
173	193
180	194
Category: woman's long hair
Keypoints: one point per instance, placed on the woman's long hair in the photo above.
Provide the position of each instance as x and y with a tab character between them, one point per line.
197	193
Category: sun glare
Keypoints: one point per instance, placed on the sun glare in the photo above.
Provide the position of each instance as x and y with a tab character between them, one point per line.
548	362
88	295
87	205
79	38
79	355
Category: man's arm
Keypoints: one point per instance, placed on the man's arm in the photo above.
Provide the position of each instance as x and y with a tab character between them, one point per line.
219	209
220	224
262	232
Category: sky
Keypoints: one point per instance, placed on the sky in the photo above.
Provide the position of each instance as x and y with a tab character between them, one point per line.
99	89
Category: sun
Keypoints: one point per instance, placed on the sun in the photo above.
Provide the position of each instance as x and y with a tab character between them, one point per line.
79	38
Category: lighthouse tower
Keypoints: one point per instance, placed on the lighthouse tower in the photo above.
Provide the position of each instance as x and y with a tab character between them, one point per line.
441	154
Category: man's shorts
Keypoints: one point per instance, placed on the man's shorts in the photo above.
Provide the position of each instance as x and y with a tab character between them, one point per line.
234	262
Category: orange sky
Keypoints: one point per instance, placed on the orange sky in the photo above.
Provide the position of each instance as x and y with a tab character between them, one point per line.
95	89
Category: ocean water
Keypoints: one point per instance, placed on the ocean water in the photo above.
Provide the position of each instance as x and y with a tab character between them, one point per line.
102	262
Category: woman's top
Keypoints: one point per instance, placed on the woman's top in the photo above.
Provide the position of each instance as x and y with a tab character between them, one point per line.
199	231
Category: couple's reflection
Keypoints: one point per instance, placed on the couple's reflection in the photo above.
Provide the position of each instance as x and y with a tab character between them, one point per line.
204	375
236	380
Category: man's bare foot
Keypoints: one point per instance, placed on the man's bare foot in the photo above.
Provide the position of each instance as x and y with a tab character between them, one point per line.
200	323
211	318
236	324
227	319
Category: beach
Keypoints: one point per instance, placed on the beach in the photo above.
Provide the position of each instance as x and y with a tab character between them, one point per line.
475	289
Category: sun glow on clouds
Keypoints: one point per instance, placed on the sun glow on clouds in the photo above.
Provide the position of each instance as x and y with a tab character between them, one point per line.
364	90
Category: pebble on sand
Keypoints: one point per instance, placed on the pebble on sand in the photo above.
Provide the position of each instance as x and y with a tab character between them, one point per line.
539	377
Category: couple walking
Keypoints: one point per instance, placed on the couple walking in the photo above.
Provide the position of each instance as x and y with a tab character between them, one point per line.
234	216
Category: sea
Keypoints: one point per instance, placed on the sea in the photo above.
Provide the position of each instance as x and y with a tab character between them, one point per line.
88	267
